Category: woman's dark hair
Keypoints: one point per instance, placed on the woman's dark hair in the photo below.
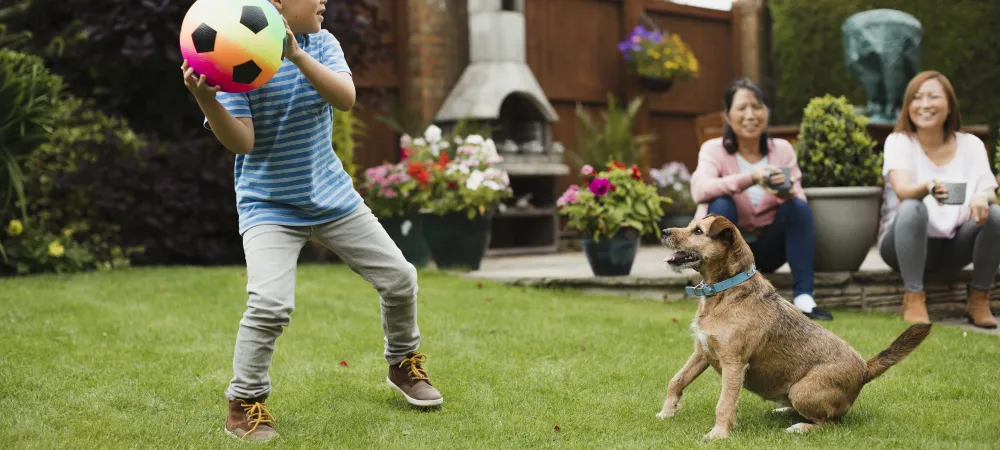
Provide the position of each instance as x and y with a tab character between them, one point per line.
729	141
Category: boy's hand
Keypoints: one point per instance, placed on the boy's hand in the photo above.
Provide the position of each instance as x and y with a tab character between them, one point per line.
202	91
292	49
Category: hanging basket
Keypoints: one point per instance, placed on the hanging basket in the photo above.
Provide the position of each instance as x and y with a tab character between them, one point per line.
655	85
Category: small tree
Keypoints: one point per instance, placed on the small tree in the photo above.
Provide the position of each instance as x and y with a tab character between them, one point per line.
834	148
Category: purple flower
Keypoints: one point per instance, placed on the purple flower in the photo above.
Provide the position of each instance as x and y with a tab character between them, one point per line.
600	186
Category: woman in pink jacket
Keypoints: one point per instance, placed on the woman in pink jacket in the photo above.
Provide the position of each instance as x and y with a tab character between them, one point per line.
740	176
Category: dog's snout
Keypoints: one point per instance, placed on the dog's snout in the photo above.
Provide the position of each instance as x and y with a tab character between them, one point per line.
666	232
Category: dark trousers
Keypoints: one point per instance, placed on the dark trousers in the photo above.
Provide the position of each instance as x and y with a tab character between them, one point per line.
789	238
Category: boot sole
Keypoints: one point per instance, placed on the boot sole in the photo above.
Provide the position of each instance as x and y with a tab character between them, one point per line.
988	327
411	400
234	436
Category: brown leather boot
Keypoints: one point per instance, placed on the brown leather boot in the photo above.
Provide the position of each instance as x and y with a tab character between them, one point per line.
410	379
978	310
250	420
915	307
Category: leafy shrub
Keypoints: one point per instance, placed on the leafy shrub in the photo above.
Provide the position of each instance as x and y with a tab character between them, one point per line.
612	199
834	148
29	97
346	127
613	139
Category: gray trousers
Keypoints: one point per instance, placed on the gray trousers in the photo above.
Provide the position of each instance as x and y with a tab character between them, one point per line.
907	249
272	252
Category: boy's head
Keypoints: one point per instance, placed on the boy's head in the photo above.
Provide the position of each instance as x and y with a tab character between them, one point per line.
303	16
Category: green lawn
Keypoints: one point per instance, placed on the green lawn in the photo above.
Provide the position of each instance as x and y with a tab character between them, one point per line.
140	359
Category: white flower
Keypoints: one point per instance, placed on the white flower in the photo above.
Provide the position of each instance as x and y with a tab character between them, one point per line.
493	185
474	139
432	134
419	142
435	149
475	180
458	140
405	141
452	168
678	186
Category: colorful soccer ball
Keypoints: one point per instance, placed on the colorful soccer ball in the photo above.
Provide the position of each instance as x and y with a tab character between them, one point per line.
236	44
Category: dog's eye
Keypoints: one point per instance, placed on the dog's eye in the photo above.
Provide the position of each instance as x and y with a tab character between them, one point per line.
697	231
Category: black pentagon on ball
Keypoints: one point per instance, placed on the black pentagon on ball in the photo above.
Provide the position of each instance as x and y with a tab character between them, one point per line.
204	38
245	73
253	18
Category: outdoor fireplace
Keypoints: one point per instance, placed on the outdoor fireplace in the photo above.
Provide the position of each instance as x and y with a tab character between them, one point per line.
498	90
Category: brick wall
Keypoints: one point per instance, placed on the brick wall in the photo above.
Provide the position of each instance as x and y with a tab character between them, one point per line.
439	51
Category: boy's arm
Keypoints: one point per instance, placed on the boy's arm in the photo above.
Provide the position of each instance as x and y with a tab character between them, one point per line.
337	88
330	74
235	133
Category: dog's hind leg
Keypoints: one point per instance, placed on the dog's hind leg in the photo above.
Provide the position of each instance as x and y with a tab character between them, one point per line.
695	365
820	398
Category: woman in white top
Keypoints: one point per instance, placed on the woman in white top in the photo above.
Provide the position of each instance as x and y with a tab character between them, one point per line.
919	234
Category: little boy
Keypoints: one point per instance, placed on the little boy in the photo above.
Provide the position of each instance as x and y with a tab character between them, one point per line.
290	188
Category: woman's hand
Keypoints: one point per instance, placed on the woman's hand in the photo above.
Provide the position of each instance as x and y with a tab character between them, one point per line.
765	174
980	208
937	190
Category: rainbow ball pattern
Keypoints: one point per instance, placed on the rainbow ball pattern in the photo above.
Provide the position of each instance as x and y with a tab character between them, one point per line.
236	44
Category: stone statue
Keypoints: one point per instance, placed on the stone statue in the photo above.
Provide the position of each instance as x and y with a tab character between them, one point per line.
882	50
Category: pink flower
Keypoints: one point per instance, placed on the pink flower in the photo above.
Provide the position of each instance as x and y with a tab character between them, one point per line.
389	193
586	170
600	186
568	197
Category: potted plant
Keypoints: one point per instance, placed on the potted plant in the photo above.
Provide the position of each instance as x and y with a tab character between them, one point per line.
674	182
658	59
841	178
396	193
466	188
612	209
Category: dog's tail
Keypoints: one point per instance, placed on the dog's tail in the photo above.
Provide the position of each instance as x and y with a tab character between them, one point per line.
900	348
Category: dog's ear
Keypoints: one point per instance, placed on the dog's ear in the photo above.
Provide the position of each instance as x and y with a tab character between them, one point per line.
723	229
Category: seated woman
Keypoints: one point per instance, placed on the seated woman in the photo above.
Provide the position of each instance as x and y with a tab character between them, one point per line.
738	177
918	233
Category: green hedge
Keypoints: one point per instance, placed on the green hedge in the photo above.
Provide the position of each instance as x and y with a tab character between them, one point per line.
959	40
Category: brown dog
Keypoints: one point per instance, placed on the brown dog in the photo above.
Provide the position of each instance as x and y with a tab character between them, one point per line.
756	339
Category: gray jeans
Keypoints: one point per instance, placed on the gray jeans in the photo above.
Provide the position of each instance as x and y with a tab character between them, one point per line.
907	249
272	252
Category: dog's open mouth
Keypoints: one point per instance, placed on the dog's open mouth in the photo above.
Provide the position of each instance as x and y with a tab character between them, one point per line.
681	258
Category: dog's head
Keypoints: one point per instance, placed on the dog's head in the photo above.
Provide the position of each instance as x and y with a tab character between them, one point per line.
713	246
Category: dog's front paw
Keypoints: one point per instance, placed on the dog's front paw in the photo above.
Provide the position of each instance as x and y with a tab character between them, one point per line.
718	432
666	413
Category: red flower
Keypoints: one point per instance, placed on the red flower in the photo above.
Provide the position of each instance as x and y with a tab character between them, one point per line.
635	173
343	363
418	171
443	160
613	187
614	163
451	185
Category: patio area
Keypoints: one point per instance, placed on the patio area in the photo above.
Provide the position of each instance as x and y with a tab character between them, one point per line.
874	287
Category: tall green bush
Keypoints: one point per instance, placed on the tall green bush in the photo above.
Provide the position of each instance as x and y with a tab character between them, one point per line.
959	40
611	139
834	148
346	128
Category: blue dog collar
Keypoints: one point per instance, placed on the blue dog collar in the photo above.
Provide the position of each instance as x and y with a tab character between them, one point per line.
708	290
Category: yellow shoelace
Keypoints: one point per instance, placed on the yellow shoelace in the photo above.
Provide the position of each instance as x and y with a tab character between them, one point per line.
416	372
257	414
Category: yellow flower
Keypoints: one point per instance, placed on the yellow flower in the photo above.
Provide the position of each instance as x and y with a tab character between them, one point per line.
56	249
67	232
15	227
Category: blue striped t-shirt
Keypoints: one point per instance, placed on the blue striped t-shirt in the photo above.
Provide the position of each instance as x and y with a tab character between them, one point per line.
291	176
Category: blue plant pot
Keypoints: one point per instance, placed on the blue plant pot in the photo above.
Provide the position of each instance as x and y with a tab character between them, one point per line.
611	256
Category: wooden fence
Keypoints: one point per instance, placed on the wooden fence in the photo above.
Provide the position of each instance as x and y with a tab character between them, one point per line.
572	50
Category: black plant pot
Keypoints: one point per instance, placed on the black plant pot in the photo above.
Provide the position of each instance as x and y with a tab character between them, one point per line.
656	85
455	241
611	256
407	231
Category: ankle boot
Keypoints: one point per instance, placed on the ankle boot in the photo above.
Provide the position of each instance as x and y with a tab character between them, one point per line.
915	307
978	310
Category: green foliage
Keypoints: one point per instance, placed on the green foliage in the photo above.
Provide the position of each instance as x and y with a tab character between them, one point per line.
834	148
346	128
29	97
959	40
612	199
470	183
613	139
390	190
